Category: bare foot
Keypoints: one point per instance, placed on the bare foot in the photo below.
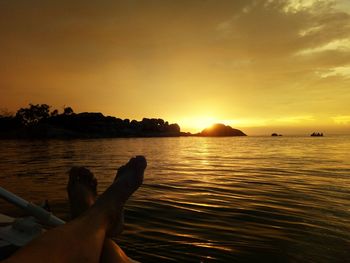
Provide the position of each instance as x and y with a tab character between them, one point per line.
82	190
128	180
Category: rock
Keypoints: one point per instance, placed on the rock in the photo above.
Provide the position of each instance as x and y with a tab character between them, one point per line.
275	134
219	129
317	134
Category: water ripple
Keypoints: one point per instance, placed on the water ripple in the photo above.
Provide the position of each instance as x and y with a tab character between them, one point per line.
250	199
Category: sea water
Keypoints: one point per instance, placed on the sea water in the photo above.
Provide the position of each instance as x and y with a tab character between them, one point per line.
237	199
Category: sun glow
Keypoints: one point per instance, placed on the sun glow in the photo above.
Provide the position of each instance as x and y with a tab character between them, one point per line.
197	124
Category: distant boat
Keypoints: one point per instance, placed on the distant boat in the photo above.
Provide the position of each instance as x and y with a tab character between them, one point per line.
275	134
316	134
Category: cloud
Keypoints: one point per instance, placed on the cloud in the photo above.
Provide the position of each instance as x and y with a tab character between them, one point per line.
337	71
338	44
255	60
295	6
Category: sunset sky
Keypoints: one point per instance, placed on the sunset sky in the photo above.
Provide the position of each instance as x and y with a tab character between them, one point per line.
262	66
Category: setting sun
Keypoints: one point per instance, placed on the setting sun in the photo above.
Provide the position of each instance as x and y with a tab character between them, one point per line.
198	123
235	114
194	68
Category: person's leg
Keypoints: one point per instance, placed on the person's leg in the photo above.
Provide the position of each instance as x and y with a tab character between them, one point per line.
112	253
81	240
82	194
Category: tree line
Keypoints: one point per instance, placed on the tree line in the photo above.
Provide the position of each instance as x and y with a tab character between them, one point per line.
39	121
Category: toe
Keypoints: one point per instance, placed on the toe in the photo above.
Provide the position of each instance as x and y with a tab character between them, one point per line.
83	176
131	162
73	175
140	162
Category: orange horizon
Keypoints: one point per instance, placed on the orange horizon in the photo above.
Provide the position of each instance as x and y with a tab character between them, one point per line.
251	65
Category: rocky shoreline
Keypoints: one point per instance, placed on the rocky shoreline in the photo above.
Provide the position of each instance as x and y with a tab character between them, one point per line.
37	122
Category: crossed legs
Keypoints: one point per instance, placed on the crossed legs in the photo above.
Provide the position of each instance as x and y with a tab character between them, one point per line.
86	238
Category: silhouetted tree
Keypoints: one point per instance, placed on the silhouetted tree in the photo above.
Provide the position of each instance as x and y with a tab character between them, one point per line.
33	114
134	124
174	128
54	113
36	121
126	123
161	122
68	111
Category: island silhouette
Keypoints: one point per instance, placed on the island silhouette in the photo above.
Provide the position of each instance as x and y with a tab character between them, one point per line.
38	121
221	130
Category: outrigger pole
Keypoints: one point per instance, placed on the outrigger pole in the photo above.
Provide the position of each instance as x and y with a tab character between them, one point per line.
38	212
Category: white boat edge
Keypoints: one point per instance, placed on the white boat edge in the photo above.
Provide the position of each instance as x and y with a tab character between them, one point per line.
4	219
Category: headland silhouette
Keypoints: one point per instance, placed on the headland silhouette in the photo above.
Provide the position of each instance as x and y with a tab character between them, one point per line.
221	130
38	121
